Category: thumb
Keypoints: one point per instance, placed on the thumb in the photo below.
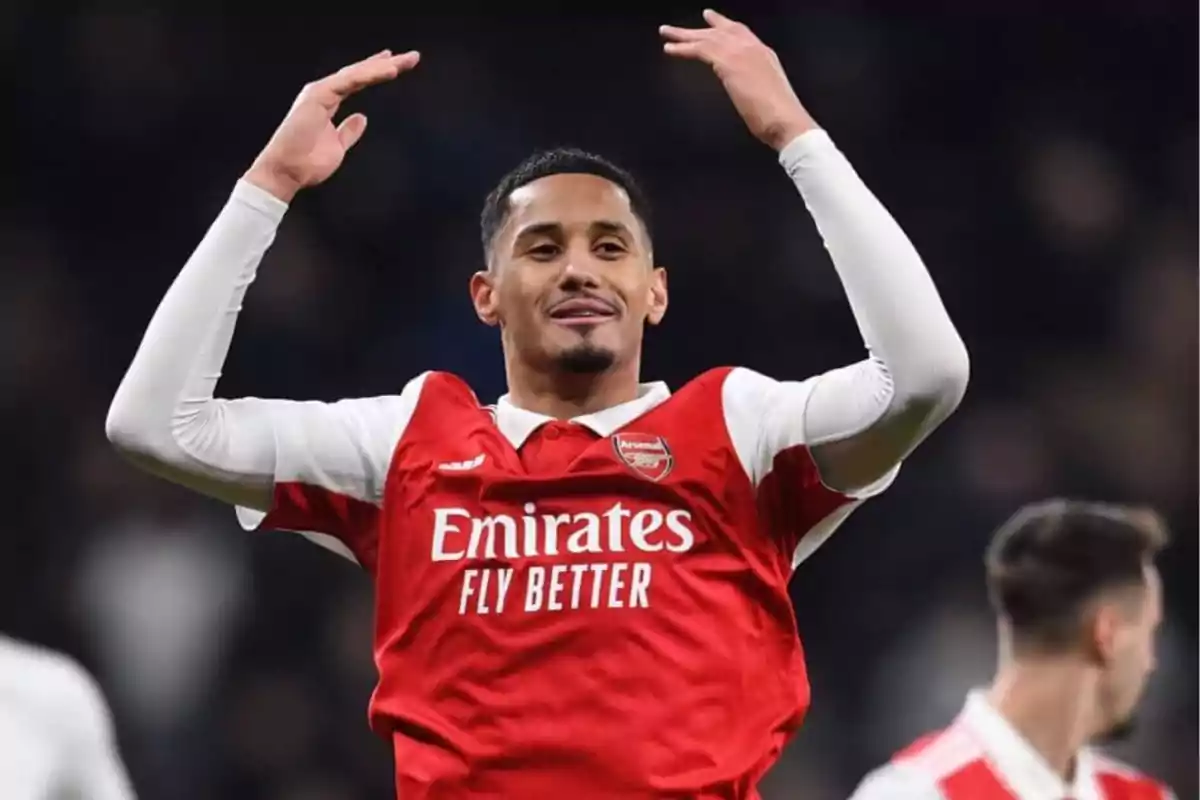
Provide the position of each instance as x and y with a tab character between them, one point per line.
351	130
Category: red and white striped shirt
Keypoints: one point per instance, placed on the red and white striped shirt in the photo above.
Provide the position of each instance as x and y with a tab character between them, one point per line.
982	757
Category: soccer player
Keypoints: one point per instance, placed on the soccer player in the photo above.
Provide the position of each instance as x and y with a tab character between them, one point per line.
582	590
1079	602
56	738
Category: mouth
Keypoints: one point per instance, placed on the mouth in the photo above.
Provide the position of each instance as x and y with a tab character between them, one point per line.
582	311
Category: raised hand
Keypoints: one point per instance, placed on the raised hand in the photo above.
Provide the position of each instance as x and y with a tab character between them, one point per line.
307	147
751	73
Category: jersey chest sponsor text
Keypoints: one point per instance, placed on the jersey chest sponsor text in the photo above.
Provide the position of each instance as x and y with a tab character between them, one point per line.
597	558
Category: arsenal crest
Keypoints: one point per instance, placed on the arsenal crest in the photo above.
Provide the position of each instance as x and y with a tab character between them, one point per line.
645	454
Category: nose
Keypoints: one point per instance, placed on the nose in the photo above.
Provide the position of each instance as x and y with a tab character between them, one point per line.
576	274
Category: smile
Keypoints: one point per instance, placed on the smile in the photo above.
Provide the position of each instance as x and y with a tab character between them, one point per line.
582	311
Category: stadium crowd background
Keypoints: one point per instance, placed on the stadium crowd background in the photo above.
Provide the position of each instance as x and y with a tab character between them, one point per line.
1045	166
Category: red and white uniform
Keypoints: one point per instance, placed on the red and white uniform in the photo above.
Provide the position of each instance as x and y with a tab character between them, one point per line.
605	598
594	607
982	757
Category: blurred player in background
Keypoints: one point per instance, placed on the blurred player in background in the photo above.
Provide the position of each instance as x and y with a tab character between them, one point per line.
582	590
1079	603
56	737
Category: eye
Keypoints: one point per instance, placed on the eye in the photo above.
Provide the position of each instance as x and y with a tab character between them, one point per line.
543	252
610	248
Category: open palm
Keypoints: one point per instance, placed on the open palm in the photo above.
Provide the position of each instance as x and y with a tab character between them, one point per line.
308	147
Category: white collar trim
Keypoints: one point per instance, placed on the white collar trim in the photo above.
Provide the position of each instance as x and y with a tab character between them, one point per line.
1015	760
517	424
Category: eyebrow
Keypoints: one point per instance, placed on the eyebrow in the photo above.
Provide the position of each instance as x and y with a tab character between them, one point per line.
603	226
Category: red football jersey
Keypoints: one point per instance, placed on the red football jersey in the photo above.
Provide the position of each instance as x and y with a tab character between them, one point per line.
592	608
982	757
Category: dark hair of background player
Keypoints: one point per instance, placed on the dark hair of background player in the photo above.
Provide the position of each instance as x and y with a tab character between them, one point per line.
1052	559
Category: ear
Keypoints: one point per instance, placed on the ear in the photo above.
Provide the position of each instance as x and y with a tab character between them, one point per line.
1105	626
657	307
483	297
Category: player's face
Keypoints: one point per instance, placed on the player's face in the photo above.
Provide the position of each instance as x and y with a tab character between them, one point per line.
1132	656
571	281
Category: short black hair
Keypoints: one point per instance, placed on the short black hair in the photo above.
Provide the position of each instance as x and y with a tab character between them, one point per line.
1052	558
559	161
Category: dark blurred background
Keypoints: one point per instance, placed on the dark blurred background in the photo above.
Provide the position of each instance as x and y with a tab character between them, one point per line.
1045	166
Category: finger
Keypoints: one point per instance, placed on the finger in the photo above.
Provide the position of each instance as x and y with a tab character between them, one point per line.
406	61
693	50
683	34
351	130
376	58
356	77
717	19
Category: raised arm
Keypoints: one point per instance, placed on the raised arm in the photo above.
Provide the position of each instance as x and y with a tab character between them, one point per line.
857	423
164	415
861	420
328	456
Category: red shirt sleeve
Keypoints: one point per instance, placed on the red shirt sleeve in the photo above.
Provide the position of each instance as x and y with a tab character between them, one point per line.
765	420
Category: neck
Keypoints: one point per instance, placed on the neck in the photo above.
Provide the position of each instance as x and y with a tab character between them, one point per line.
565	395
1050	703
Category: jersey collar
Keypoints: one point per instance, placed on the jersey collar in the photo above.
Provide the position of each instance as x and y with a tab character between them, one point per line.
1017	762
517	424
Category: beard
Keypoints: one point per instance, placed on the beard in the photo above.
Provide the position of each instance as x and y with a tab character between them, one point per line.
585	358
1120	731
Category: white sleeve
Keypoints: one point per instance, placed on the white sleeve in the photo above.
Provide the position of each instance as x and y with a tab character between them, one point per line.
765	421
247	451
860	421
92	761
894	783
